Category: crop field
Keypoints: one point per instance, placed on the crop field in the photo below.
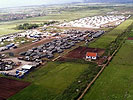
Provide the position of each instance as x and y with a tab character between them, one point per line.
107	38
130	38
116	81
10	87
50	81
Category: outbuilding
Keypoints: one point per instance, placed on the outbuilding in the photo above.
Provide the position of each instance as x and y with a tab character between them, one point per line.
27	67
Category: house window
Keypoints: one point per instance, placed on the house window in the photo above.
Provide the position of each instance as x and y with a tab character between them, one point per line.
88	57
94	58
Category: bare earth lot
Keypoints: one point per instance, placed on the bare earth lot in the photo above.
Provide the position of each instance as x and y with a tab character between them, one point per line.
80	52
9	87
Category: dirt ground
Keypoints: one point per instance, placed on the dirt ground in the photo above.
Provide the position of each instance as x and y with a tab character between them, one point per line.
9	87
80	52
16	60
130	38
13	71
76	28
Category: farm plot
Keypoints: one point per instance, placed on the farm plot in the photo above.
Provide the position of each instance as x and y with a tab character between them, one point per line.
80	52
9	87
105	40
50	81
130	38
116	81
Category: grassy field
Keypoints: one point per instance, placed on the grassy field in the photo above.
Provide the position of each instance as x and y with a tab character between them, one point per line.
51	80
7	27
116	81
67	16
131	33
70	13
107	38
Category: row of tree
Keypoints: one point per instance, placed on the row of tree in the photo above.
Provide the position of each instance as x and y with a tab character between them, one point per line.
117	42
26	26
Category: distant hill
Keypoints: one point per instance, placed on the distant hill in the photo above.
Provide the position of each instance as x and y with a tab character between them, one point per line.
109	1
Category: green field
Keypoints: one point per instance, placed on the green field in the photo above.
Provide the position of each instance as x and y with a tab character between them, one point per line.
131	33
116	81
71	12
108	37
69	15
8	27
51	80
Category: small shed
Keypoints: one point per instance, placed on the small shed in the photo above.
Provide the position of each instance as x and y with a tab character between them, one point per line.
27	67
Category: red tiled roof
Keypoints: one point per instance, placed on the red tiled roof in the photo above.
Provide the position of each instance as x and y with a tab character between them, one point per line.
92	54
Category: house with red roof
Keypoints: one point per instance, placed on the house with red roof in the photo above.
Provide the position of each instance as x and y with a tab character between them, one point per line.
91	56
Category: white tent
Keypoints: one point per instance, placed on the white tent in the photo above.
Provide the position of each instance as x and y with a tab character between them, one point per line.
28	67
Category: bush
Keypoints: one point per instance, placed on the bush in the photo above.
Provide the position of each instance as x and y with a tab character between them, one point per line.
26	26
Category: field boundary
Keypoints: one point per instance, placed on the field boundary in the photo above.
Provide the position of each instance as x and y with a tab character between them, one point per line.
100	72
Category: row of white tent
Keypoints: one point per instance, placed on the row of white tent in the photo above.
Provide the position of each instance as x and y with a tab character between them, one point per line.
36	34
95	21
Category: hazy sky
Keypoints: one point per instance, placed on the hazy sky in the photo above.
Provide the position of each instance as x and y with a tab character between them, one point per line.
13	3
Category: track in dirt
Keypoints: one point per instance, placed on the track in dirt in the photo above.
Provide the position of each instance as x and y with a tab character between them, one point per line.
9	87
